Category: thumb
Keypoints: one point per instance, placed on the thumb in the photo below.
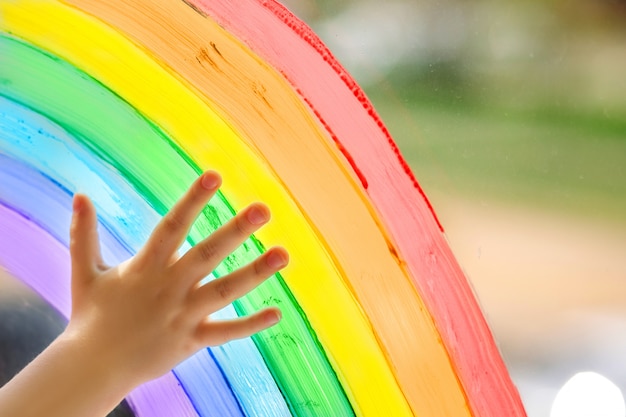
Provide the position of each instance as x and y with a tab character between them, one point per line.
84	242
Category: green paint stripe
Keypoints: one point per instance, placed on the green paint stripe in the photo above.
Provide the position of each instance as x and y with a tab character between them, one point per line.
160	172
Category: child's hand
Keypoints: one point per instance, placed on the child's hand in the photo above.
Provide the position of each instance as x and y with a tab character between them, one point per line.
136	321
148	314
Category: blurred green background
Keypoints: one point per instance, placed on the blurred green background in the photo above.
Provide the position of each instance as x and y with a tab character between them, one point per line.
519	100
513	117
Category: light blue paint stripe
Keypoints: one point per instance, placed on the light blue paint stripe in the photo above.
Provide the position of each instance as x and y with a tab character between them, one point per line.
29	137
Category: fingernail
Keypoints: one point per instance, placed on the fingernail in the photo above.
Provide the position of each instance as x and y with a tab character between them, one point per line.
276	260
274	318
77	204
210	181
257	216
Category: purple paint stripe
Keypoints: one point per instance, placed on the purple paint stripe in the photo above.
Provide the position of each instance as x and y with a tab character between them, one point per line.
47	203
41	192
163	397
41	262
36	258
200	371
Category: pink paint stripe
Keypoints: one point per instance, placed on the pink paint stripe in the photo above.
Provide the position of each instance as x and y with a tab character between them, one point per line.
36	258
272	32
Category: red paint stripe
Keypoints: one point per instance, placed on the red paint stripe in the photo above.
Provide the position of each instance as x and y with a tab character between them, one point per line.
340	147
305	32
337	100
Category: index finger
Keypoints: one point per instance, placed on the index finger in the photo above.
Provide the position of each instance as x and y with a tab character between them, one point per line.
173	228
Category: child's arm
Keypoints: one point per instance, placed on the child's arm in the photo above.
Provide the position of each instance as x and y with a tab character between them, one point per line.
136	321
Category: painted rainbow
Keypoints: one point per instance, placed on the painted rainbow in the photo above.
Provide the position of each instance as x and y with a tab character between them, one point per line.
130	100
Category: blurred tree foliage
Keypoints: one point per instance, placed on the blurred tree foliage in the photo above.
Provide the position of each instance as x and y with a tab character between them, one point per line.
520	100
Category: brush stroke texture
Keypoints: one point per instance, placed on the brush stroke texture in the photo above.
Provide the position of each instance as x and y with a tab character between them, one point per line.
146	171
416	336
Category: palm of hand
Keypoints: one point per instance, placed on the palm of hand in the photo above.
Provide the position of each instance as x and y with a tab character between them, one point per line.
148	314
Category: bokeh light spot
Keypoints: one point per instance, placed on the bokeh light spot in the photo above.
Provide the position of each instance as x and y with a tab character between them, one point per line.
588	394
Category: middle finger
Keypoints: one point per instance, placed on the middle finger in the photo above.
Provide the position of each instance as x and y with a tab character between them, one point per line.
204	257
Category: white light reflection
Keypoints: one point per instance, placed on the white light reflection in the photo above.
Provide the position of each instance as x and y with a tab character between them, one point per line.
588	394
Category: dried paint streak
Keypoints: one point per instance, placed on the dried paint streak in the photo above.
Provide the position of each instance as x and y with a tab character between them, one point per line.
284	162
288	140
341	148
302	30
19	239
58	91
31	138
354	224
279	141
464	331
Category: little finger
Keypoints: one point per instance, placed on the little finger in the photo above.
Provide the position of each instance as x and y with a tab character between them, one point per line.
213	333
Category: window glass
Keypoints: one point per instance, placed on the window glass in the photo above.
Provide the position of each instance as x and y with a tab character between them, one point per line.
513	117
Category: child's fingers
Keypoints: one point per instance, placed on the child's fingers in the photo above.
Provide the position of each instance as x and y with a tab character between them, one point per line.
212	333
217	294
84	242
204	257
172	230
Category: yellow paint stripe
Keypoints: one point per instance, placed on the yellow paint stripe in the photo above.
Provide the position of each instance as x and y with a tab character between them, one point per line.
277	127
133	75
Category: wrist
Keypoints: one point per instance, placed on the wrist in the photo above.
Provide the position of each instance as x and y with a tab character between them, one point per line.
68	379
95	368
